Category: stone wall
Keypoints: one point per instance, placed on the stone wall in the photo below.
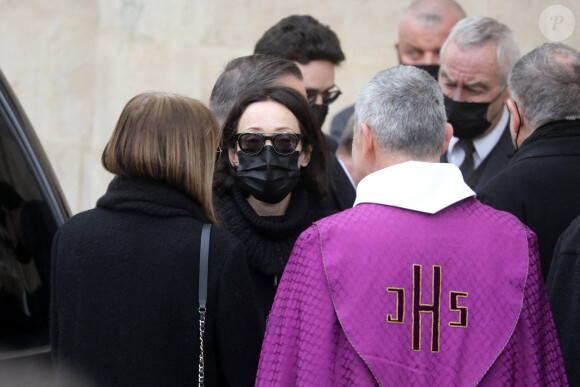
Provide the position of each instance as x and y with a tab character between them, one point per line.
75	63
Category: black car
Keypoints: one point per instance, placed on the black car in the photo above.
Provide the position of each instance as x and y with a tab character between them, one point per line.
32	207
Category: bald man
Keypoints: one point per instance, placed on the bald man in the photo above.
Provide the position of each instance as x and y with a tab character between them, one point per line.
422	31
423	28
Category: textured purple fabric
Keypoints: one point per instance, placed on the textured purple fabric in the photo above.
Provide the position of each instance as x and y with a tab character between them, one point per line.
329	323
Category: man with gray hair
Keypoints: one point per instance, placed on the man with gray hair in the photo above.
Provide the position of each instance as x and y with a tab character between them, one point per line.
541	185
419	283
476	59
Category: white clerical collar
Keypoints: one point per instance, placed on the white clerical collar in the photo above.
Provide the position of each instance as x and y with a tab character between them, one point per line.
483	146
414	185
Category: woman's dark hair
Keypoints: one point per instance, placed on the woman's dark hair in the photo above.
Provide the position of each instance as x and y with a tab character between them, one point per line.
315	175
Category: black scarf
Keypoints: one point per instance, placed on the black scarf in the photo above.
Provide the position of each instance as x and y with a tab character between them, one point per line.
269	239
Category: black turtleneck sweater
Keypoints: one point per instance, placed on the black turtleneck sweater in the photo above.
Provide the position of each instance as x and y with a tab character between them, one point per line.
270	239
125	293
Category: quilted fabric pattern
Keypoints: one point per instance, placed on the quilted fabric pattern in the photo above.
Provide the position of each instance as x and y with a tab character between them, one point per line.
305	345
354	271
532	356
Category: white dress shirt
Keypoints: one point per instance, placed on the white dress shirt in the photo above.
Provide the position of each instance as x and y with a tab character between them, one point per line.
483	146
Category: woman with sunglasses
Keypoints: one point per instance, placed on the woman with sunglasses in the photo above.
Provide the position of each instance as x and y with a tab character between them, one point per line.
272	181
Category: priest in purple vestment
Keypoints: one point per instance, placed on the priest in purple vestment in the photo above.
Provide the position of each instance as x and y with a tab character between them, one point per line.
419	283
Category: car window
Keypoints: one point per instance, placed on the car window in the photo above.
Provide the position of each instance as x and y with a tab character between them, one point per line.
27	226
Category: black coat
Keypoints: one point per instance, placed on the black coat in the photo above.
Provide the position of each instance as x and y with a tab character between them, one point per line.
496	161
270	239
564	293
541	185
342	193
125	293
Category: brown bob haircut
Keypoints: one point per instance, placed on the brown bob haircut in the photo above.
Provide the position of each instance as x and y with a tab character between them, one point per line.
315	175
169	138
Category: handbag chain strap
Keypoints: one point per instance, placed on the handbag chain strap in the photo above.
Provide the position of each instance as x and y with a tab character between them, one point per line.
201	333
203	274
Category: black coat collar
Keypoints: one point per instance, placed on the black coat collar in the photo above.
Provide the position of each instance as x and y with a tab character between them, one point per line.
549	139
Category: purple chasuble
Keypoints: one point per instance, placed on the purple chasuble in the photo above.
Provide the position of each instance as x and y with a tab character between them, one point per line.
383	295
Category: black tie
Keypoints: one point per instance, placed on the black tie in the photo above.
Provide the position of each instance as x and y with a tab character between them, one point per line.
466	166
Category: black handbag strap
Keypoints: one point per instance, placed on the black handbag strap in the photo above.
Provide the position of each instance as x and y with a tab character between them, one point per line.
203	274
203	264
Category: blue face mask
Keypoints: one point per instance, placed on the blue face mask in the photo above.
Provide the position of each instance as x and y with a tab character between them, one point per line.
267	175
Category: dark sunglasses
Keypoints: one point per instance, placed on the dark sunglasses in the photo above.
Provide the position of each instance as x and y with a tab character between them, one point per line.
253	143
328	96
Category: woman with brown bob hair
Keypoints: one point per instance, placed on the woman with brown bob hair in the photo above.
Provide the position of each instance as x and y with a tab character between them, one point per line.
126	273
272	180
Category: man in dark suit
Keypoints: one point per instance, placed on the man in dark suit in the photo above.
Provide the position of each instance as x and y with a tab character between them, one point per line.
476	59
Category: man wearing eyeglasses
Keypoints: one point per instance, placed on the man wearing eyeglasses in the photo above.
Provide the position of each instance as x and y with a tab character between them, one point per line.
315	48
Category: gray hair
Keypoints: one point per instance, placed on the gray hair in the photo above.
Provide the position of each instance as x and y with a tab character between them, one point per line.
479	31
256	70
403	107
546	84
431	13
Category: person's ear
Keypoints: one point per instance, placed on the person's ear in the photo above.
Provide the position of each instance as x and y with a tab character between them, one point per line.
515	117
368	141
448	135
233	157
305	156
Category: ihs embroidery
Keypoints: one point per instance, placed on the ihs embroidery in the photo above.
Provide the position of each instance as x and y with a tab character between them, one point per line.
418	309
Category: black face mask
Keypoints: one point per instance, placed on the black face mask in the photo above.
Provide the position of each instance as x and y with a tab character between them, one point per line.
320	112
469	119
268	176
433	70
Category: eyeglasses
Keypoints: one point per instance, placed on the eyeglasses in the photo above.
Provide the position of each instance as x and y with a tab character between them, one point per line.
253	143
328	96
